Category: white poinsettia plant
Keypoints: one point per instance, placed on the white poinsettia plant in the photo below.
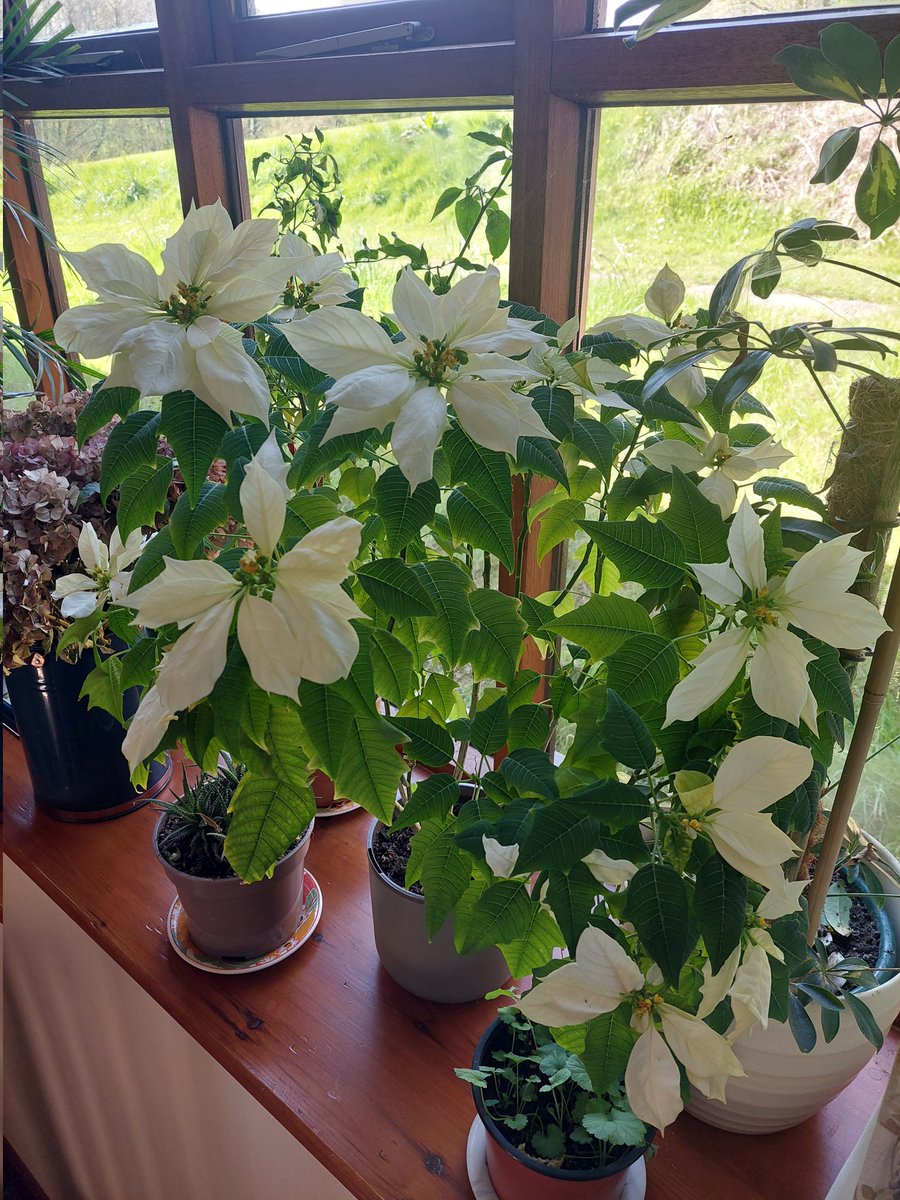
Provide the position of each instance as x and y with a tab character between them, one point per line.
343	586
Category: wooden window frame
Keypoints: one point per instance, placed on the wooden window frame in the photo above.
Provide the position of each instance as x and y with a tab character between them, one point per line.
544	58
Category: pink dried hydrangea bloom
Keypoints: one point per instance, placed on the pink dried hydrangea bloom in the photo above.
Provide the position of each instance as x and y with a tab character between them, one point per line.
43	473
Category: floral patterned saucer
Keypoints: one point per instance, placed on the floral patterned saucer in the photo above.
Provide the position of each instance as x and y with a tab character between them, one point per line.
185	947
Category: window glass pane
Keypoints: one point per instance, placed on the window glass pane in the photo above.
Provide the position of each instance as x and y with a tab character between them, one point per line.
723	10
393	168
262	8
698	188
101	16
115	181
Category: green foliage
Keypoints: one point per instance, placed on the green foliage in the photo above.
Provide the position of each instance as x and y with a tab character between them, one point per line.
548	1099
848	66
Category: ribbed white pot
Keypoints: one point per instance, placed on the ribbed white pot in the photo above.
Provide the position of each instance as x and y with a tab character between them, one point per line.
783	1087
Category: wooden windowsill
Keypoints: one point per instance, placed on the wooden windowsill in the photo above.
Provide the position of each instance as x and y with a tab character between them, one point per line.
359	1071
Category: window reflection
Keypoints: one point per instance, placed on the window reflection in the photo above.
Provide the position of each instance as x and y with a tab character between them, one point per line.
102	16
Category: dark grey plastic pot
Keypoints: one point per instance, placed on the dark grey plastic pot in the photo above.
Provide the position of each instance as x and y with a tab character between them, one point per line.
432	970
231	919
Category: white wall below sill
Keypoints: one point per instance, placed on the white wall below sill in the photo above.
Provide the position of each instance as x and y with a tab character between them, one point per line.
106	1097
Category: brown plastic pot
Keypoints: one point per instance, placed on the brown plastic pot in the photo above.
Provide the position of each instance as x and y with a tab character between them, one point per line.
323	790
515	1175
231	919
433	970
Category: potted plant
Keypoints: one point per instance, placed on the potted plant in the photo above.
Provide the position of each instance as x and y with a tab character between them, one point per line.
54	520
544	1130
423	959
647	829
226	920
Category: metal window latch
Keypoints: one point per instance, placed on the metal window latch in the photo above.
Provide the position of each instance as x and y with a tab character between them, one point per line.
382	36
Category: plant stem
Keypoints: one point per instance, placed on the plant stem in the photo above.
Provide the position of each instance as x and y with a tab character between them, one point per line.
576	574
523	534
485	205
828	400
838	262
877	684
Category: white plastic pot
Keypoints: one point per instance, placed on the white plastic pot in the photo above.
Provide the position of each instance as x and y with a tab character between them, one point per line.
783	1087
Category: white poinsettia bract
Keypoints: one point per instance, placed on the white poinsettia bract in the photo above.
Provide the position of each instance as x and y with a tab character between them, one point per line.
107	578
454	351
753	775
727	465
291	615
174	332
813	597
599	978
319	280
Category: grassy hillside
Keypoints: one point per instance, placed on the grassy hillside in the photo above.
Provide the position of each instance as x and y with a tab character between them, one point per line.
696	188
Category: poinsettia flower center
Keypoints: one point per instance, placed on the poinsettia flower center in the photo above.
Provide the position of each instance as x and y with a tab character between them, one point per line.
256	573
436	358
300	295
643	1004
186	303
763	611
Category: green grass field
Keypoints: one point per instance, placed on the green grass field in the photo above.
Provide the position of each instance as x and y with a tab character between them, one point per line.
694	188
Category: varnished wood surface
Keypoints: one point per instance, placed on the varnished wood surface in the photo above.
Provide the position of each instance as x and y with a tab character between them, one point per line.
700	62
356	1069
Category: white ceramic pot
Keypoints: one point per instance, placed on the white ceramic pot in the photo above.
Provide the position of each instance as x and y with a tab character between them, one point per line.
783	1087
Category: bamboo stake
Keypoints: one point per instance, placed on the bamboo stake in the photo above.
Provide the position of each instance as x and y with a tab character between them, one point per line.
877	683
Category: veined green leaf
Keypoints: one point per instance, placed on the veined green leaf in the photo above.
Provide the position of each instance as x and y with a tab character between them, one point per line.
429	743
102	407
530	773
720	905
195	433
475	521
529	727
624	735
448	588
573	896
432	800
395	588
558	524
646	551
644	668
602	624
607	1048
130	446
696	521
490	727
535	945
485	472
788	491
500	915
142	495
446	871
657	905
392	666
370	767
404	513
494	648
268	815
189	526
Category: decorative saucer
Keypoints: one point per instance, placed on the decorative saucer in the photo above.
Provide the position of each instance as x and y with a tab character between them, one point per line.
480	1180
185	947
337	809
